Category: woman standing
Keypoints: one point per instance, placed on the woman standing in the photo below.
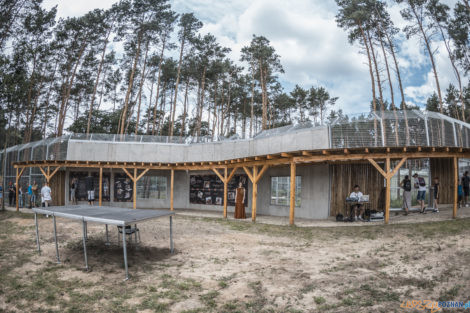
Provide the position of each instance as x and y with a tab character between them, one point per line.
406	185
240	202
437	192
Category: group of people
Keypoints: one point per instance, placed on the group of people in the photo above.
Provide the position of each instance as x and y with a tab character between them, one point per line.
31	195
419	184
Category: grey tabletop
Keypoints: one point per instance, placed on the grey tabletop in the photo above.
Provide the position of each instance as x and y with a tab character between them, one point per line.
103	214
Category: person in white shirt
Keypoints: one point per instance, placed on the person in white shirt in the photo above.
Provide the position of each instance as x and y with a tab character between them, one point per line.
420	184
46	194
357	194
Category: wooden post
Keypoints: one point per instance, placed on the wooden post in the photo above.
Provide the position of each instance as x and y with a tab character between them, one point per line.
225	192
16	188
255	193
135	188
292	193
172	183
100	192
456	186
387	190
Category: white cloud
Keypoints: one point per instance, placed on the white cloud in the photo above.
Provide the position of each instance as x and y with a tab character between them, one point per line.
313	50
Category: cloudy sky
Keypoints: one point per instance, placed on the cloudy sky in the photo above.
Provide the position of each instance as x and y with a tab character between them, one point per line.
313	50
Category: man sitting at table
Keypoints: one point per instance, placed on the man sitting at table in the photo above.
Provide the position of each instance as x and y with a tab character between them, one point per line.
357	195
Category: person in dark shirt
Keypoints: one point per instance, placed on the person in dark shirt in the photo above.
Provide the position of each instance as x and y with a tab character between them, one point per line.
466	187
437	193
90	188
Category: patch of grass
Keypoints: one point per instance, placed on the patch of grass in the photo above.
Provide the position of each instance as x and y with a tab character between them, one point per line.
449	294
319	300
209	298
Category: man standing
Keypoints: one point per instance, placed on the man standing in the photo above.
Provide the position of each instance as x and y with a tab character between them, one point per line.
46	195
11	194
30	195
34	195
90	188
73	191
420	184
466	187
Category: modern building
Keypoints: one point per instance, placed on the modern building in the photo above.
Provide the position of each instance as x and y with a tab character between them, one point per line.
304	170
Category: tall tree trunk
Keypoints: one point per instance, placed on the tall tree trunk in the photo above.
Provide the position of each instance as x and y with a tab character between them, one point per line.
66	94
149	109
95	87
131	82
142	81
456	71
201	104
264	119
400	85
391	91
252	116
161	118
371	72
431	57
176	86
160	63
185	109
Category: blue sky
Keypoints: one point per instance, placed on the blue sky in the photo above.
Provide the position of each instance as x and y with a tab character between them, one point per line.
313	50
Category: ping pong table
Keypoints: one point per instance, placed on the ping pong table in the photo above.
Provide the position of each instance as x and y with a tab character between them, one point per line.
104	215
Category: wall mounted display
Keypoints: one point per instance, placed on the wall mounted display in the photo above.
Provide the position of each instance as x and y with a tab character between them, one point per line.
209	189
123	188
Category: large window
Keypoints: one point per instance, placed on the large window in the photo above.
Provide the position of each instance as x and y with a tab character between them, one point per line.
280	190
151	187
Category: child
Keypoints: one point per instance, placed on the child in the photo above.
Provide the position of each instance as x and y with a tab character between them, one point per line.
460	194
437	190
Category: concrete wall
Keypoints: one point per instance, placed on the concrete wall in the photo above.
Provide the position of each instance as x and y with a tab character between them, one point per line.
306	139
314	194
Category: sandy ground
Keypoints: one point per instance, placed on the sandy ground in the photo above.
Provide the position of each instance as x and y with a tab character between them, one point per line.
236	266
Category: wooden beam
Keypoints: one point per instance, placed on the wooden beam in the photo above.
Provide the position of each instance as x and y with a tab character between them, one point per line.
271	157
225	180
255	193
325	152
250	176
346	151
399	165
260	174
387	190
43	173
16	188
456	184
259	158
134	191
142	174
218	174
286	155
381	171
172	185
306	153
292	193
100	190
54	172
366	150
128	174
231	174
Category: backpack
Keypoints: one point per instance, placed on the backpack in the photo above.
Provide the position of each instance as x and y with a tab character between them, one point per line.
339	217
421	182
407	185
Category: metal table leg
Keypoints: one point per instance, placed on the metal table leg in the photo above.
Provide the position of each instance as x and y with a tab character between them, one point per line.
171	234
37	232
107	236
55	239
125	253
86	231
84	244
